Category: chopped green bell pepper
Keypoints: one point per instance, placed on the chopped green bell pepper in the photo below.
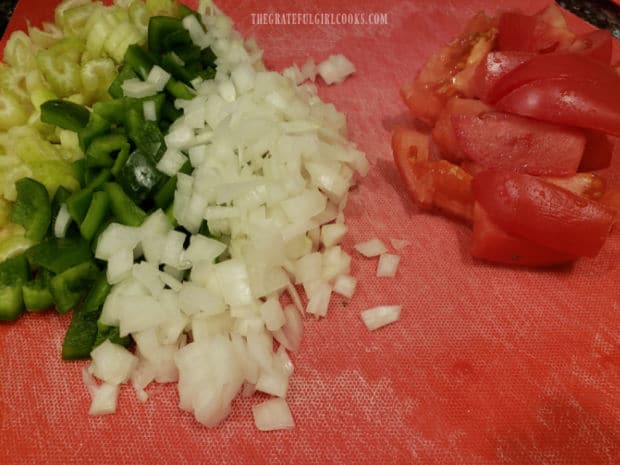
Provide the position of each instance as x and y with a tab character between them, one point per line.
123	208
65	114
69	287
32	208
58	255
14	272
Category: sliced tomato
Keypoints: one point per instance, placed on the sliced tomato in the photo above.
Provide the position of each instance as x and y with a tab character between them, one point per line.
532	209
502	140
587	185
540	33
449	71
555	65
443	132
611	199
598	152
492	243
581	103
472	167
596	44
431	184
495	66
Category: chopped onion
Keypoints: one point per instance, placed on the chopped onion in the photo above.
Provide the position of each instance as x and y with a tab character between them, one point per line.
273	315
112	363
148	108
63	220
345	285
171	162
399	244
377	317
273	414
319	299
371	248
158	77
387	266
335	69
332	234
104	399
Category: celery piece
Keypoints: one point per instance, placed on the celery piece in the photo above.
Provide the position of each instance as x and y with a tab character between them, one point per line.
53	174
97	75
32	208
60	66
12	113
162	7
18	51
76	18
116	44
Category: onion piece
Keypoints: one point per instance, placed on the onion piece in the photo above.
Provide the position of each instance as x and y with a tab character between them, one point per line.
345	285
112	363
399	244
335	69
63	220
273	414
104	399
387	266
377	317
371	248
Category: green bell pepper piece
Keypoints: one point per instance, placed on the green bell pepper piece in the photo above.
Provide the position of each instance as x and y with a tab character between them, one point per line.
95	216
65	114
32	208
14	272
83	330
69	287
123	208
37	295
58	255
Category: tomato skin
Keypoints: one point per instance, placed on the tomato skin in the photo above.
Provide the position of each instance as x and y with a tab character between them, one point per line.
576	67
502	140
541	33
490	242
495	66
443	132
529	208
580	103
596	45
611	199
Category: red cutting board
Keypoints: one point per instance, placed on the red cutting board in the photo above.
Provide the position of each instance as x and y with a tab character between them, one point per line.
488	365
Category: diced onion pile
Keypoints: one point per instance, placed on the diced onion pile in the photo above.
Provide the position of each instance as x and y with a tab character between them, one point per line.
272	169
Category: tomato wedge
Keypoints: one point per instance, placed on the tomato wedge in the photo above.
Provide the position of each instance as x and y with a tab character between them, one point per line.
529	208
450	71
580	103
611	199
502	140
443	132
541	33
587	185
495	66
492	243
598	151
571	66
596	45
431	184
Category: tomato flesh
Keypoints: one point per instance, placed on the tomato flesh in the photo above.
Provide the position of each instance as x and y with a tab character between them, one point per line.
431	183
598	151
443	132
541	33
495	66
587	185
580	103
490	242
532	209
596	45
570	66
502	140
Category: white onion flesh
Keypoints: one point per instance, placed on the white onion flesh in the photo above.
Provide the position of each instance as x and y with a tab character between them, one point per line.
387	265
371	248
399	244
273	414
272	169
377	317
